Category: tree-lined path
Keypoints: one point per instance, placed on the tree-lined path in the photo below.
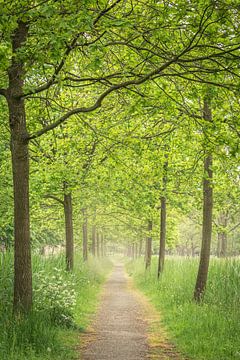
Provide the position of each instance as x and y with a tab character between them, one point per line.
120	331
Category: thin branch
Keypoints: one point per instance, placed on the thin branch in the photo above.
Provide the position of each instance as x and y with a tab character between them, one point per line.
234	227
56	72
99	101
70	47
105	11
49	196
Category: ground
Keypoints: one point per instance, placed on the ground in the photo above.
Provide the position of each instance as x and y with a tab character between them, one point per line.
126	326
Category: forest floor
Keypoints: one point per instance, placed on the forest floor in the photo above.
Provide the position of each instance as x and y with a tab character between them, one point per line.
126	325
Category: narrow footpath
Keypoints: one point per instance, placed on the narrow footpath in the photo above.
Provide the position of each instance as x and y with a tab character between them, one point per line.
119	332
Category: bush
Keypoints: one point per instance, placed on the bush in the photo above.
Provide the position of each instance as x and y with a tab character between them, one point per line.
55	295
61	300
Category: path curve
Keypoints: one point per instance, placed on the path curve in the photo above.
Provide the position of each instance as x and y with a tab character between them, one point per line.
119	332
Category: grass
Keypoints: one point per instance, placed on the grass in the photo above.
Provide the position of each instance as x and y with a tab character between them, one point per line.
42	335
210	331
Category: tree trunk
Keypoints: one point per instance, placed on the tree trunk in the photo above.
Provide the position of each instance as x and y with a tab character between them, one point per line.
133	251
207	219
162	246
67	202
149	246
163	216
223	251
222	234
98	245
94	240
102	245
94	234
85	236
140	248
20	168
136	250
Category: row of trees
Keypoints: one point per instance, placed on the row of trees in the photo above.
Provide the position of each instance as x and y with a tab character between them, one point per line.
149	72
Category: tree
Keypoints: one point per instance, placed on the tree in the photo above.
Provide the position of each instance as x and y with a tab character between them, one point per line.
163	215
207	215
148	255
44	44
85	235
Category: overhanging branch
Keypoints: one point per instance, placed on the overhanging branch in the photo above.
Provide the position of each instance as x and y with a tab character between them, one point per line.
99	101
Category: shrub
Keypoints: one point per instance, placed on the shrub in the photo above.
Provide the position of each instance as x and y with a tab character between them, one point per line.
55	294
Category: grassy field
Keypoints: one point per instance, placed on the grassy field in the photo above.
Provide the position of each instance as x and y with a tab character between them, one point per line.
210	331
63	304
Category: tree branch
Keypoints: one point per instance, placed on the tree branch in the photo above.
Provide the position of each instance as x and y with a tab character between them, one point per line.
234	227
49	196
105	11
99	101
57	70
70	47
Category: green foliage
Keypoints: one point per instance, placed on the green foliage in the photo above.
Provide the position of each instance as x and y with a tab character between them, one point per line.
113	159
206	331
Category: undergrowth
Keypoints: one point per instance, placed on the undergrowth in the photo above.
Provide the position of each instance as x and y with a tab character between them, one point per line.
63	303
209	331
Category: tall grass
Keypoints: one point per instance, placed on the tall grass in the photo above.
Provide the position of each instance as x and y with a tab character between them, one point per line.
210	331
41	335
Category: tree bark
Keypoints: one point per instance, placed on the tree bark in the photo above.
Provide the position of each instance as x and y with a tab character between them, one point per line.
163	217
85	236
67	203
149	246
20	167
207	219
222	234
162	246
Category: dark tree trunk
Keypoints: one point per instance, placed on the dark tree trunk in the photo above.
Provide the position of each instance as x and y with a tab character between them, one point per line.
162	246
20	168
98	245
163	217
85	236
207	220
68	231
149	246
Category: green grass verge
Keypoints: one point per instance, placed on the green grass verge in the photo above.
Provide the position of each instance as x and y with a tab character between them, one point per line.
210	331
40	336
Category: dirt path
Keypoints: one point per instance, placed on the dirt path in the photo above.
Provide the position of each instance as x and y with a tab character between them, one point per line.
119	332
127	326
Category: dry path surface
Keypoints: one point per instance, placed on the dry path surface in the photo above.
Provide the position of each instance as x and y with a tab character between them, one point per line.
119	332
